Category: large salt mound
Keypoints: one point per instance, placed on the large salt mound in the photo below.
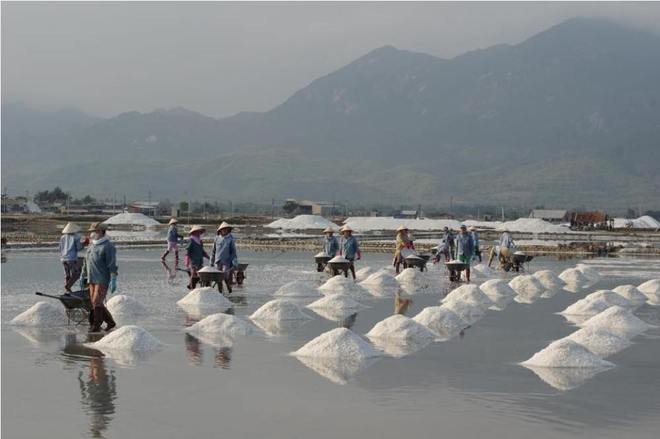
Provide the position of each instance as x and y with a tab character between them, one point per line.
364	273
400	327
611	297
532	225
469	294
279	309
468	312
441	320
496	288
131	219
221	324
125	306
586	307
619	321
302	222
549	279
413	281
345	286
599	341
574	277
589	272
630	292
381	284
41	314
565	353
651	289
205	297
129	338
340	343
527	286
297	288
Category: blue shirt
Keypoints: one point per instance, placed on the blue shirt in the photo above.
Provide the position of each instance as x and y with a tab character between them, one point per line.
70	245
101	261
349	247
464	245
506	241
172	234
330	246
224	251
475	238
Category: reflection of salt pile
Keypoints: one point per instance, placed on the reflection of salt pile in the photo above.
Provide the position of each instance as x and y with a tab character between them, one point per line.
470	294
549	279
204	299
127	344
651	289
337	370
339	343
122	306
41	314
565	353
221	324
335	307
381	284
364	273
345	286
297	288
619	321
630	292
589	272
528	288
599	341
279	309
399	327
565	378
442	321
413	281
574	279
596	303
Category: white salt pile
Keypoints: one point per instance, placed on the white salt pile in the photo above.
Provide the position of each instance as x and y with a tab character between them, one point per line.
131	219
208	269
468	312
400	327
611	297
565	378
336	302
340	343
589	272
574	278
549	280
302	222
586	307
277	328
442	321
496	288
413	281
630	292
651	289
204	299
41	314
483	270
381	284
225	325
297	288
279	309
343	285
129	338
364	273
338	259
470	294
527	286
566	353
619	321
599	341
532	225
125	306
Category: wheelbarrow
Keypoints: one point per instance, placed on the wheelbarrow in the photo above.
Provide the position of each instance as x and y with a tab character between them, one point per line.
338	265
416	261
454	268
321	261
210	276
240	273
77	304
516	262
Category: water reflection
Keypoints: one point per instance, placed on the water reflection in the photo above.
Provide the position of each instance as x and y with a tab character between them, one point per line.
565	378
195	352
349	321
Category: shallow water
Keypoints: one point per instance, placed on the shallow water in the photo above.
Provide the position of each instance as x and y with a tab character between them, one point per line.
467	387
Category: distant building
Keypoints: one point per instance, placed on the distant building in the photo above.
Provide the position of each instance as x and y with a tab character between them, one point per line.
406	214
149	208
553	216
322	208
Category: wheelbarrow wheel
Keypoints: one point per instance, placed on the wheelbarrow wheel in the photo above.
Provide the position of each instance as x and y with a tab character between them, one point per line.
240	277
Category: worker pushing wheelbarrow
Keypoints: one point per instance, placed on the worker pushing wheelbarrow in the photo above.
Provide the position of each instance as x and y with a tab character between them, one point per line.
224	257
77	305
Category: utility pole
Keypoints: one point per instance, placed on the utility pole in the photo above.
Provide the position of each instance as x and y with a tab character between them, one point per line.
502	213
272	213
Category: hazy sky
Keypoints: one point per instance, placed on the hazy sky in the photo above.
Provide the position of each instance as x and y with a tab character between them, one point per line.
222	58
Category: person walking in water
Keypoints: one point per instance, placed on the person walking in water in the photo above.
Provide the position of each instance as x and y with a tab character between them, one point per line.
330	243
403	241
195	254
70	245
172	241
349	248
223	255
101	263
464	249
475	239
449	239
504	250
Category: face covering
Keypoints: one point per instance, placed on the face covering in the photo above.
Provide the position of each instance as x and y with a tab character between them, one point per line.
94	236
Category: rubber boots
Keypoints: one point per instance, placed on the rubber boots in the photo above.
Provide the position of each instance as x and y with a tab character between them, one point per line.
97	319
107	317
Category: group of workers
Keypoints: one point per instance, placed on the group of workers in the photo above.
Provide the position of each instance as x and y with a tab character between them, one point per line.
348	247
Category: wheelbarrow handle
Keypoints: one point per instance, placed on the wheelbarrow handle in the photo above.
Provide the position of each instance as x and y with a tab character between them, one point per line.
47	295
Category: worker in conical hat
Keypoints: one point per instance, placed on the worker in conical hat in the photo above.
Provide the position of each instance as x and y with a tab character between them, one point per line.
223	255
330	242
101	265
172	241
403	241
195	254
349	248
70	245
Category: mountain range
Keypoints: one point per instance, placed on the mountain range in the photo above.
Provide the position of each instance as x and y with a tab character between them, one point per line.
569	117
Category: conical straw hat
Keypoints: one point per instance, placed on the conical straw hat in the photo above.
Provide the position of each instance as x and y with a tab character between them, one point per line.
70	228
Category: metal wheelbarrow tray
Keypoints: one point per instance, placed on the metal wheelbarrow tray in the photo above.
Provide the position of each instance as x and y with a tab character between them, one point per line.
455	268
321	260
78	305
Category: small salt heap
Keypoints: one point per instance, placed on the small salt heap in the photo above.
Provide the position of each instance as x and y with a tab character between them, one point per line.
279	309
335	307
599	341
496	288
339	343
651	289
221	324
611	297
125	307
483	270
345	286
470	294
413	281
399	327
127	344
364	273
630	292
381	284
442	321
566	353
619	321
528	288
589	272
574	279
549	280
41	314
205	298
586	307
297	288
468	312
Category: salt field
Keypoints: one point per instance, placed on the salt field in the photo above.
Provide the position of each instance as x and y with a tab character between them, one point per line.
448	368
